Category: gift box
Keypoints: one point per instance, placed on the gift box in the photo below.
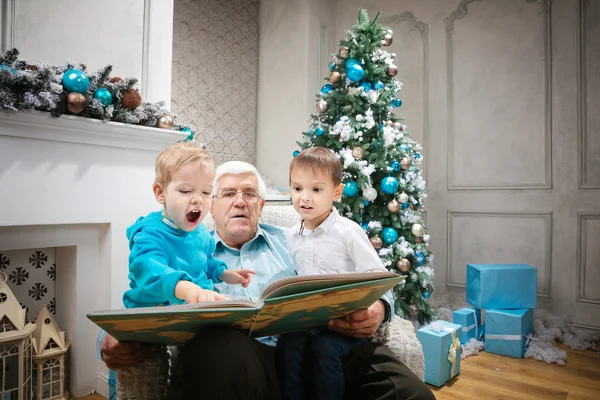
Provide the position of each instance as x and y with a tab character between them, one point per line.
505	286
470	320
112	385
508	331
441	347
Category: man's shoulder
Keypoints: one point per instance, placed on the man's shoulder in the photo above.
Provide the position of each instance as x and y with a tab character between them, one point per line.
273	231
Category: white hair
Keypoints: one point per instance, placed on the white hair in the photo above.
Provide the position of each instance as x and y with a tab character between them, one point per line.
239	168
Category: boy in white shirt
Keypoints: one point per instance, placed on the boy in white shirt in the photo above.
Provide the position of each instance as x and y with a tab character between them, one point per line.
323	243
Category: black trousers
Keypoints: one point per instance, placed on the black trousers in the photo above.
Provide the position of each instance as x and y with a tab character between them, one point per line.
226	364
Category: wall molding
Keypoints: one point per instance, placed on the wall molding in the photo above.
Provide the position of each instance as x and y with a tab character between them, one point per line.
582	218
7	22
461	12
423	28
546	216
145	79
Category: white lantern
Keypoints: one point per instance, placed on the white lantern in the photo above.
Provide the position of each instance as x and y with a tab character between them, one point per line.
50	358
15	346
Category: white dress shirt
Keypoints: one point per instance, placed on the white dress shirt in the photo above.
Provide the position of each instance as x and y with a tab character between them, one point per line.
338	245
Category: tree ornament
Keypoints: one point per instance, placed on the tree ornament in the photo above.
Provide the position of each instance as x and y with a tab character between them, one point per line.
403	197
115	79
414	309
388	39
389	185
331	65
165	122
343	52
390	235
395	165
370	194
365	226
404	148
352	61
75	102
392	70
322	106
358	152
335	77
403	265
378	85
355	72
190	134
7	68
366	203
295	153
376	242
419	259
426	238
350	188
319	131
31	67
417	230
397	125
426	294
328	87
393	206
365	85
405	162
396	103
104	96
411	206
75	81
131	99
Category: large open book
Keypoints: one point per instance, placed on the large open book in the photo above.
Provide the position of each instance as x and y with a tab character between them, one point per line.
286	305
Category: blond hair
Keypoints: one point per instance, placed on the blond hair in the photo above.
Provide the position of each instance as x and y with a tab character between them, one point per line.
318	160
178	155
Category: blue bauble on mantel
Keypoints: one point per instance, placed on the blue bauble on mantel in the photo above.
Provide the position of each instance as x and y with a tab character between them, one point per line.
75	81
350	188
7	68
389	185
104	96
355	73
390	235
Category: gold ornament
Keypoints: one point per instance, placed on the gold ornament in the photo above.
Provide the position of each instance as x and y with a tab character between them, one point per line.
393	206
358	152
115	79
322	106
390	122
131	99
403	265
343	53
335	77
401	127
405	162
411	206
165	122
392	70
397	125
75	102
414	309
376	242
387	39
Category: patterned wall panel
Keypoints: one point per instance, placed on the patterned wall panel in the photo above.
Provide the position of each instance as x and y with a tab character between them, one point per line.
215	71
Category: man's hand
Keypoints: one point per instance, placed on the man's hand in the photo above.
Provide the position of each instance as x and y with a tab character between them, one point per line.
360	324
122	355
193	293
237	277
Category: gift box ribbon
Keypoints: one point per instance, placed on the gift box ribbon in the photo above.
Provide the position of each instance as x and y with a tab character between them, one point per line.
529	337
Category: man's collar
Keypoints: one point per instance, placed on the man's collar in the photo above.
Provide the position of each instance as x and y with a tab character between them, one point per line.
218	239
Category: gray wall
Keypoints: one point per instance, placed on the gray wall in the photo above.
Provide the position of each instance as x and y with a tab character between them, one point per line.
215	67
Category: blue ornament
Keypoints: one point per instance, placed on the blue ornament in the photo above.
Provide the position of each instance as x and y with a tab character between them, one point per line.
350	188
295	153
419	258
395	166
378	85
319	131
390	235
190	134
375	144
366	203
404	148
331	65
426	294
7	68
365	85
417	156
389	185
352	61
75	81
411	168
104	96
405	205
396	103
355	73
365	225
328	87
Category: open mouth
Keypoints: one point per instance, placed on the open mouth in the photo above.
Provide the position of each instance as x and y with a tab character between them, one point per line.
306	207
193	216
239	216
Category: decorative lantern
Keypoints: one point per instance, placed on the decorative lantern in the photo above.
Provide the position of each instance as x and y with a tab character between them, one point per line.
50	358
15	346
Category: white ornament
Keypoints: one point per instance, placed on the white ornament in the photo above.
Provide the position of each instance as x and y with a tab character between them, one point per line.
426	238
370	194
417	230
403	198
359	117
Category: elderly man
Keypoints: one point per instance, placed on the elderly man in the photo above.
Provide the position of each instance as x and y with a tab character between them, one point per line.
227	364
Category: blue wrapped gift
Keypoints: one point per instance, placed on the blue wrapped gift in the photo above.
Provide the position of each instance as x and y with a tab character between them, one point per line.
506	286
441	348
112	385
470	320
508	331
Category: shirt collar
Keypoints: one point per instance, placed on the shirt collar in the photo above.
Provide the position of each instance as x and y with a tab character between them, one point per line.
259	233
329	221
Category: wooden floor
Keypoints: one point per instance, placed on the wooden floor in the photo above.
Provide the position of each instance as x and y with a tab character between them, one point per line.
490	376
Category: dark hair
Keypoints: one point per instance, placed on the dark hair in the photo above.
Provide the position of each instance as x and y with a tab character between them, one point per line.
318	159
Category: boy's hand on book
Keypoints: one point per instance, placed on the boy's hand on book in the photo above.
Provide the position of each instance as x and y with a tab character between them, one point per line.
237	277
192	293
360	324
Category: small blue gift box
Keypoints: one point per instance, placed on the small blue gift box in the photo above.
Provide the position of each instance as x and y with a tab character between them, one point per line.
112	385
507	332
441	347
470	320
506	286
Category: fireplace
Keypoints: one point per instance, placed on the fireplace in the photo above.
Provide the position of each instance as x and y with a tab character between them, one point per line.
72	185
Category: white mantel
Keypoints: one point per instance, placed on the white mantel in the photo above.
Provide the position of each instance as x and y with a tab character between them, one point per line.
76	184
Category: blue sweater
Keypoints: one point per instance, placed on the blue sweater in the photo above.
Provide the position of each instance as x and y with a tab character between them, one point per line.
161	256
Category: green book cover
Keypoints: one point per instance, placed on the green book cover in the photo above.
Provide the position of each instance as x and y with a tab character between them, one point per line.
287	305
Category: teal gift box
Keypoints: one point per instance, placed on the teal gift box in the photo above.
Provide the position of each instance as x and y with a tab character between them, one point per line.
441	347
506	286
470	320
112	385
507	332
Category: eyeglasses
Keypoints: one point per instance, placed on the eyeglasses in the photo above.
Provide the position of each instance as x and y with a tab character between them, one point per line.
230	195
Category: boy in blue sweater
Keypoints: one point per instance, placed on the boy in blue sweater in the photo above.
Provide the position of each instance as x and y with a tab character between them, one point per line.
171	253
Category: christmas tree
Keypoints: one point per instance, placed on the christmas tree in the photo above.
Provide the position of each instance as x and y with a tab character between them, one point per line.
384	190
